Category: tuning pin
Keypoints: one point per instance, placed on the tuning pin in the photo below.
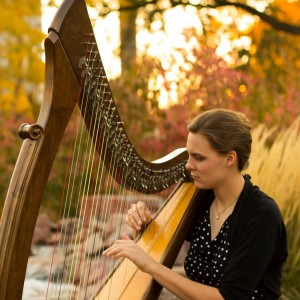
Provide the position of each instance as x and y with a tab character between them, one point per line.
33	131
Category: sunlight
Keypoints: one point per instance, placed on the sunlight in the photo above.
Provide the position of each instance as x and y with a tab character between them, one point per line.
161	42
259	5
106	33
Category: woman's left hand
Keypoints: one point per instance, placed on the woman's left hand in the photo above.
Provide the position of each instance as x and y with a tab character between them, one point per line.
129	249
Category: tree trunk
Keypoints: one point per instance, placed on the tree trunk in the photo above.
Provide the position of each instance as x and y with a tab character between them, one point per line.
128	34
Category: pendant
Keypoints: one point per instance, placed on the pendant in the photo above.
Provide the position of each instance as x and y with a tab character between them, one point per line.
217	217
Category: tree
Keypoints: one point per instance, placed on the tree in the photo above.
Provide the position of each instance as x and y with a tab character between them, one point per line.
22	69
251	81
203	81
274	14
274	58
21	76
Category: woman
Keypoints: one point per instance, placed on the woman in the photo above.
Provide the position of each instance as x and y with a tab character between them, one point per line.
238	240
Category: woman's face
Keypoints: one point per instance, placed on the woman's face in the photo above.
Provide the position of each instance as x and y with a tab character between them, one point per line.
207	167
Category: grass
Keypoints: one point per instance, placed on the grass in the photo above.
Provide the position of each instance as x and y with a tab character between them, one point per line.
274	167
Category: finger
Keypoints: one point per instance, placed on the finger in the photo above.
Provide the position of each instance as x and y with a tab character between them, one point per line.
134	216
109	251
114	249
133	221
148	216
141	209
125	236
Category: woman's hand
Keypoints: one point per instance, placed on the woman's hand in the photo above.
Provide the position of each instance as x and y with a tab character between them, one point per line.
138	215
129	249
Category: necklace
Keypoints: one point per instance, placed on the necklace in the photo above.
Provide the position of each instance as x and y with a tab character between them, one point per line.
219	213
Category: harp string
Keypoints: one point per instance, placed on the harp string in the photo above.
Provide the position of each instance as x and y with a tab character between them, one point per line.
68	192
92	209
120	204
107	210
52	289
88	210
109	192
104	147
84	187
88	184
96	194
99	183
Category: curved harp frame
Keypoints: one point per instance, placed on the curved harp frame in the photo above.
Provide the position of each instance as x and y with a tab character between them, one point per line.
67	40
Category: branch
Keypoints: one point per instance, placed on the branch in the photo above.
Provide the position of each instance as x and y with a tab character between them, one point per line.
272	21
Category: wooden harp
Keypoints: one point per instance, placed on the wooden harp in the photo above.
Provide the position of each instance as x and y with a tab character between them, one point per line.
73	63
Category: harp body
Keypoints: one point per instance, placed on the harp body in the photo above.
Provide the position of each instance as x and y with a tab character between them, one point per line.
70	35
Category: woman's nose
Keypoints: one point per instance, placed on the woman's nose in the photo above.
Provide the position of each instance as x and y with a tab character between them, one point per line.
188	165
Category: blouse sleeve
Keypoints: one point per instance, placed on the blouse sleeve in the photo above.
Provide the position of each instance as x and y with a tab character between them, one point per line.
252	251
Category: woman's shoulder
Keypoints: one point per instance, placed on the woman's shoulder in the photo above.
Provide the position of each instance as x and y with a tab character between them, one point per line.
263	201
256	202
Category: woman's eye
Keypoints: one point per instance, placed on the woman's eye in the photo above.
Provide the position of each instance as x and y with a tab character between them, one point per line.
199	158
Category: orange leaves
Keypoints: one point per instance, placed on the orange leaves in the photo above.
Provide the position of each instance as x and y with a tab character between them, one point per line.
257	33
289	11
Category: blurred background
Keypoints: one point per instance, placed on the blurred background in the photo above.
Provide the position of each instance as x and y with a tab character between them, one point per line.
168	60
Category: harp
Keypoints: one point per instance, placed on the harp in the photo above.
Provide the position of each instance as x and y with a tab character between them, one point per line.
74	71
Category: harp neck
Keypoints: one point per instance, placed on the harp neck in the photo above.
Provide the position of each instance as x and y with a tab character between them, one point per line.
99	110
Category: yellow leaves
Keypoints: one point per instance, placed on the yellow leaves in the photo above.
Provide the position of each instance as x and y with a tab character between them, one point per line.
23	106
23	7
36	71
275	53
21	51
289	11
228	93
253	49
242	88
15	104
278	60
14	15
258	30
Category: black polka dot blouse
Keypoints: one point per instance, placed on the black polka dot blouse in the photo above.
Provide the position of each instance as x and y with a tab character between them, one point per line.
206	258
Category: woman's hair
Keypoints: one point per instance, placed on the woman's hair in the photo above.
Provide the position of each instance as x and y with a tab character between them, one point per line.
226	131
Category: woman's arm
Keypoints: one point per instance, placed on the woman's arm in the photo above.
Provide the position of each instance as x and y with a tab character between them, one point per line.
180	286
183	287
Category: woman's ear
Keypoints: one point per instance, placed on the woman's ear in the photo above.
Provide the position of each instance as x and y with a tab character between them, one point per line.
231	158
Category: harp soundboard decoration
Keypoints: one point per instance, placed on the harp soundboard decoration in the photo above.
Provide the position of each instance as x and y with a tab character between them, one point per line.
104	175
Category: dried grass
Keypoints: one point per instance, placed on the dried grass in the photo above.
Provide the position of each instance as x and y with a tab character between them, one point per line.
274	167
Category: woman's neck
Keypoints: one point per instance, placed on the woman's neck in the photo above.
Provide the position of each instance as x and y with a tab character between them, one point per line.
229	190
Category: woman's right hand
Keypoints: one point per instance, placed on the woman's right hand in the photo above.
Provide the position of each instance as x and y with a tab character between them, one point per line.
138	215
